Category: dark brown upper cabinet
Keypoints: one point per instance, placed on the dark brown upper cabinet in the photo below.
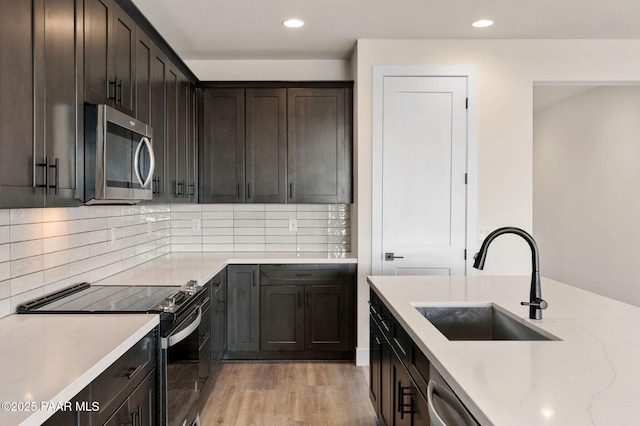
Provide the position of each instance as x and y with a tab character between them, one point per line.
40	102
319	145
109	55
222	176
273	144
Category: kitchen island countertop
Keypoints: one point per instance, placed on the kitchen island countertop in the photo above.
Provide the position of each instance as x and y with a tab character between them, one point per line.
589	377
46	359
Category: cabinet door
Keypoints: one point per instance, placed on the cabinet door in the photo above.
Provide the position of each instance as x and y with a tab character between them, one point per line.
402	399
57	105
327	317
142	402
17	162
144	55
218	314
386	385
159	122
319	145
266	146
78	415
281	318
123	56
223	146
243	304
173	184
97	18
375	344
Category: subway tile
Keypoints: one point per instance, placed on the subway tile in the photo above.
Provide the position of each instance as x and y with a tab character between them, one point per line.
249	239
181	248
312	239
87	225
5	289
217	231
248	208
217	239
25	216
281	239
249	231
337	207
82	212
280	247
280	207
311	208
312	247
52	214
182	223
56	286
55	229
5	252
217	207
341	215
339	223
5	307
186	239
79	253
26	249
98	211
249	247
312	215
181	215
5	271
279	231
215	215
217	247
312	231
339	248
339	231
336	239
184	231
5	234
186	208
242	215
5	217
134	219
55	259
131	210
114	221
277	223
248	223
114	211
56	274
26	266
312	223
218	223
50	245
26	283
280	215
26	232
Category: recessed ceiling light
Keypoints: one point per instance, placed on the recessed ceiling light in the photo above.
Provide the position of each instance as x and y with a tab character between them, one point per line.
293	23
482	23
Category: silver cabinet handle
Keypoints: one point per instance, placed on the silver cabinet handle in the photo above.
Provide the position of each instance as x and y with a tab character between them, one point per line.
136	160
167	342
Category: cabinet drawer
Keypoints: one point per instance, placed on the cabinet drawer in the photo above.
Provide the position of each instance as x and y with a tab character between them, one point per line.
115	384
302	274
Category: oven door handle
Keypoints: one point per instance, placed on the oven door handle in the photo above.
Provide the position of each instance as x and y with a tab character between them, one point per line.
174	339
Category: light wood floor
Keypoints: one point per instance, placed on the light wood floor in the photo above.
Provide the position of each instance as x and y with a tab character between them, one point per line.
290	393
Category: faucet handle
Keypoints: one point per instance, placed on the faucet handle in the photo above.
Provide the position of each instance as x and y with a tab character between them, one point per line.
536	303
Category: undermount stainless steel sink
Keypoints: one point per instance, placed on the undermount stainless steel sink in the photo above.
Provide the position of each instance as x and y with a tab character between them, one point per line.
479	322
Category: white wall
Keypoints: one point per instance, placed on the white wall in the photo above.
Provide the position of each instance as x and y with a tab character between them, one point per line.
586	198
270	70
507	70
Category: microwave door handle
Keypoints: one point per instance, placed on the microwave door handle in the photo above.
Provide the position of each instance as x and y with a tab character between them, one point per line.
136	161
174	339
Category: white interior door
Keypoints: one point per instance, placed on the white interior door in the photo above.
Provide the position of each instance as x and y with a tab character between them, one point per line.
424	157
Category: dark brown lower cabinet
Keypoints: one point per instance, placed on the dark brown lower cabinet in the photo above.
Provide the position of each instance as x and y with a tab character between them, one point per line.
400	373
243	298
139	408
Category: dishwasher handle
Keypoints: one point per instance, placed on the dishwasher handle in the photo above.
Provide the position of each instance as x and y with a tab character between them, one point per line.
174	339
456	407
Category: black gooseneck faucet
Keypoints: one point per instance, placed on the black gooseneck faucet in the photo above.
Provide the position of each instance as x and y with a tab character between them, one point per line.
535	303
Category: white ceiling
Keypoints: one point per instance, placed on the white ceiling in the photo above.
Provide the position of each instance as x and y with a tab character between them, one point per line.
251	29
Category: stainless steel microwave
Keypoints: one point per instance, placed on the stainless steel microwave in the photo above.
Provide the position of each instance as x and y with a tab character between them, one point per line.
119	160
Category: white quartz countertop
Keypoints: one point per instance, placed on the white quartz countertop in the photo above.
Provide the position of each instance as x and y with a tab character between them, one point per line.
178	268
48	359
589	377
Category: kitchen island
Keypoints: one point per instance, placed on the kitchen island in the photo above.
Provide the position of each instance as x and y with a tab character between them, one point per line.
587	377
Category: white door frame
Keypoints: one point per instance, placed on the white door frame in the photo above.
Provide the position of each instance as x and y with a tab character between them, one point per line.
471	74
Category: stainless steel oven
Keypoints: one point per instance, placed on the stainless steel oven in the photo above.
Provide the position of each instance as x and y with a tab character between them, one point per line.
185	346
119	160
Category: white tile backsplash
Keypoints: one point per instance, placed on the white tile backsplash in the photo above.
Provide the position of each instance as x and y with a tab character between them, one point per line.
43	250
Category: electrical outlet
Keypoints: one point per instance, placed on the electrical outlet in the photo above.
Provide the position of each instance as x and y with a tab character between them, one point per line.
113	235
293	224
483	231
195	224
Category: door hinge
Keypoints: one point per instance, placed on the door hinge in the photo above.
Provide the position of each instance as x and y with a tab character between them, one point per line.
466	103
466	178
465	254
